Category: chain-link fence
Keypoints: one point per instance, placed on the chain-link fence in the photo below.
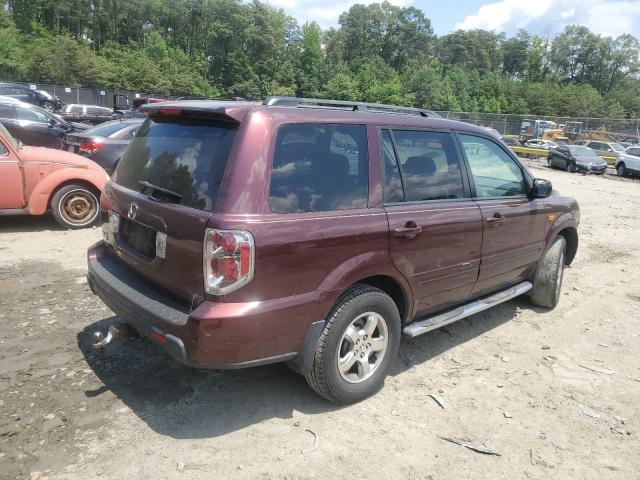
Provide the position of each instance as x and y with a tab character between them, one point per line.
623	129
92	96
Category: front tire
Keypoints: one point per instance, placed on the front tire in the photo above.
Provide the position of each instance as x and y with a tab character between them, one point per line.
571	167
621	170
75	206
48	106
548	279
359	341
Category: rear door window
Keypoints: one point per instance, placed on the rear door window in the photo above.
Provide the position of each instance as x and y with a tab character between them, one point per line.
429	165
319	167
186	156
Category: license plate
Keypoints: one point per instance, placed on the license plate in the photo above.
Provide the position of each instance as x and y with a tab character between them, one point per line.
72	148
139	238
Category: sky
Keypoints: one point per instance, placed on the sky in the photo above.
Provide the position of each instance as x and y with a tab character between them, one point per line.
545	17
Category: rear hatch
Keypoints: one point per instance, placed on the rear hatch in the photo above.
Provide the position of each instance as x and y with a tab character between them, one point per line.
164	192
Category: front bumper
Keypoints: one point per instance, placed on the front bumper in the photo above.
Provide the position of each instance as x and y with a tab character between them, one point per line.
214	334
591	168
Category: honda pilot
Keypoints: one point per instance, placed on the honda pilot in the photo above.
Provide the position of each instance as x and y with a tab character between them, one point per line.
318	232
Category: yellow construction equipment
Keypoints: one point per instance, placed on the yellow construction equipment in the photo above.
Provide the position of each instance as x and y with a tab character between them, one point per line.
557	135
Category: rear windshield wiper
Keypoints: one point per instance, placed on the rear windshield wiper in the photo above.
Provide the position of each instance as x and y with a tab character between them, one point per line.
165	191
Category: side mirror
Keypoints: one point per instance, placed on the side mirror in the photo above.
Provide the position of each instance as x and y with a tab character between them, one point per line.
541	188
52	122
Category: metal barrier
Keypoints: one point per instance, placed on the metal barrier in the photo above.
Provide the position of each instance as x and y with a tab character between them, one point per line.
541	152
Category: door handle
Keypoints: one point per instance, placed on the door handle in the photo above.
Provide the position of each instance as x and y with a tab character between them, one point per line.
410	230
497	219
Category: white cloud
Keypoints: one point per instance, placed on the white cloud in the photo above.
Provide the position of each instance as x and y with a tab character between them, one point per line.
495	16
606	17
326	13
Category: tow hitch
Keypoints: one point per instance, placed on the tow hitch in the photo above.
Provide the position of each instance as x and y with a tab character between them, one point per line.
118	330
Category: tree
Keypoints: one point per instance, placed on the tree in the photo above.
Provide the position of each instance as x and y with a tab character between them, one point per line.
311	60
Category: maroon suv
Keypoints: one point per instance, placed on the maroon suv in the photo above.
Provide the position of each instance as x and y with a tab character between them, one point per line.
316	232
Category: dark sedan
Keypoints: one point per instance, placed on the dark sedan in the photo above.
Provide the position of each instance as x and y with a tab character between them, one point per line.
25	94
576	158
105	143
33	125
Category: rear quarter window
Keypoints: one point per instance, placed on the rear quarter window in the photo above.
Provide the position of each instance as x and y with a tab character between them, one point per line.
319	167
185	155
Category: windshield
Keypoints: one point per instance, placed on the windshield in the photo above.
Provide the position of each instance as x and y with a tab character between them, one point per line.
186	156
581	151
617	147
107	129
551	143
12	141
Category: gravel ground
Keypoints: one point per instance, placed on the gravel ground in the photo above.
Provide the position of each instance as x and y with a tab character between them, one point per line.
555	393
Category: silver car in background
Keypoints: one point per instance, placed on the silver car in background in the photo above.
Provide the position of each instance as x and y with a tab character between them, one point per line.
628	163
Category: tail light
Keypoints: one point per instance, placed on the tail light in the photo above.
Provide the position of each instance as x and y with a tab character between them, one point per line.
90	147
228	260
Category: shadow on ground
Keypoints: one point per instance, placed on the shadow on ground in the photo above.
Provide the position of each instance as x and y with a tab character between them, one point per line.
27	223
183	402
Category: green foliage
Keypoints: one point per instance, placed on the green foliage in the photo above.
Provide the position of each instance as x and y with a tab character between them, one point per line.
378	53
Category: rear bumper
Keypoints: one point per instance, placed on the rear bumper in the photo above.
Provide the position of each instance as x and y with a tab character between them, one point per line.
214	334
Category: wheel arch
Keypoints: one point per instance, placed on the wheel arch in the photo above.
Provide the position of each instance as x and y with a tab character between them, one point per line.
391	287
570	235
399	292
40	198
82	183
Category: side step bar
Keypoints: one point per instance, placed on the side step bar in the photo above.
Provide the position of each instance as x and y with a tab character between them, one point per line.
458	313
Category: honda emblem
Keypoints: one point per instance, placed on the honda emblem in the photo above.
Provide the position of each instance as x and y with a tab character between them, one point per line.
133	211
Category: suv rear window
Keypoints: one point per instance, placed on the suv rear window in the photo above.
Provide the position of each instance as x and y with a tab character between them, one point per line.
185	155
319	167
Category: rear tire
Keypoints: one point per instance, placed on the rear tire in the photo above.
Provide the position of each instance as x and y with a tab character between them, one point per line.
359	341
75	206
548	279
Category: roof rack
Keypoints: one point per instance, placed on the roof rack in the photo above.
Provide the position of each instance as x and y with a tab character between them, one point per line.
347	105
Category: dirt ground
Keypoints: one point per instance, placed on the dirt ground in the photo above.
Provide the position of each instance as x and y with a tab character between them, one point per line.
556	393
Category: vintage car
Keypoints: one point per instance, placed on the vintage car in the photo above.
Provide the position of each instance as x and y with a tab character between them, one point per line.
36	179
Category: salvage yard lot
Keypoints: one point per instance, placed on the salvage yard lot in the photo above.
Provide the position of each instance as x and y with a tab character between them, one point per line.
556	393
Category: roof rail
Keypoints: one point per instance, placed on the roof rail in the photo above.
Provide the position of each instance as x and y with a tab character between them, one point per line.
345	104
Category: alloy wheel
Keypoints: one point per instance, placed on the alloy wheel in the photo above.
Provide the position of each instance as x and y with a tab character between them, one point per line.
362	347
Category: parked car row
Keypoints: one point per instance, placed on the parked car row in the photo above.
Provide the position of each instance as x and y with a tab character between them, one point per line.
105	143
35	126
35	97
34	180
586	155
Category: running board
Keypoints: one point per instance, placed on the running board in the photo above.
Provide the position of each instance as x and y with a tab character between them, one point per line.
426	325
